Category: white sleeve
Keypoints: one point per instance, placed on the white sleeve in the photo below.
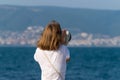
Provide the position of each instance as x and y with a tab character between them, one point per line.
35	55
67	53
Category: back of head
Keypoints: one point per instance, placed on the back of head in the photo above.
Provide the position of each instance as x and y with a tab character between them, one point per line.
51	37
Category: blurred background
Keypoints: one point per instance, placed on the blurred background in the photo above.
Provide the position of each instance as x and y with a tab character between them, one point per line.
95	44
91	22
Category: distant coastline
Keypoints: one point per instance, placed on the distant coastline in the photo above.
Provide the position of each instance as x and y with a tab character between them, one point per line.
29	38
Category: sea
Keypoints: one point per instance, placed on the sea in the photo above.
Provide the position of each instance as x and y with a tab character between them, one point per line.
86	63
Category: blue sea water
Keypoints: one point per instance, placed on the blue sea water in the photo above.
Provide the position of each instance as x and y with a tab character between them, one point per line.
17	63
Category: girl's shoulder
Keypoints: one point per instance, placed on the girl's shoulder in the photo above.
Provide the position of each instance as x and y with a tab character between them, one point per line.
39	50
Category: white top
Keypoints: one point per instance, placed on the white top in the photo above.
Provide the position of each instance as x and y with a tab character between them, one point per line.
57	58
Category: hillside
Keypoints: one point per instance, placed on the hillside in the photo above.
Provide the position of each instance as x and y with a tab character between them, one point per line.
18	18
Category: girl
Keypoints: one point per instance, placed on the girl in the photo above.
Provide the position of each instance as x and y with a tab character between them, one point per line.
51	54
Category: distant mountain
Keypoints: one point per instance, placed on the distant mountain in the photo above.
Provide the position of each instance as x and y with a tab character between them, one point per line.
18	18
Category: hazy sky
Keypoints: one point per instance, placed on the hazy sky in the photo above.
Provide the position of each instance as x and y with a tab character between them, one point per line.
96	4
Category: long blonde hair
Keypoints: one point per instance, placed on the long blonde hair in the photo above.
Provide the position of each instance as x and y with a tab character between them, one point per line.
51	37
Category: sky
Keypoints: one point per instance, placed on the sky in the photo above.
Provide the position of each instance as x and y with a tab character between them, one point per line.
94	4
